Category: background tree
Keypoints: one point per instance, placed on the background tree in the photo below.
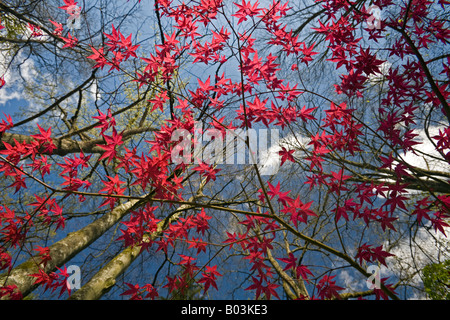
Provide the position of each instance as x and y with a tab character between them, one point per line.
436	280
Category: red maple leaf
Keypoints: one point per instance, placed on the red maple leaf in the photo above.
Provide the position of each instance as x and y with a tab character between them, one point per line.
273	191
152	292
70	41
45	140
44	254
207	171
59	28
112	187
209	277
305	114
134	291
11	291
257	285
269	290
380	294
99	57
286	155
200	221
303	271
3	124
291	262
35	30
439	223
41	278
308	53
5	260
159	100
198	244
68	4
246	10
367	253
327	288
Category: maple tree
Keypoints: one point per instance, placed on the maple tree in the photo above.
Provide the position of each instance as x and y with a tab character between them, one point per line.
92	181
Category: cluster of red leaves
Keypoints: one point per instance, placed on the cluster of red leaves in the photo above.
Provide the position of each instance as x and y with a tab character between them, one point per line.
42	142
13	231
6	125
137	292
327	288
443	142
339	133
120	47
300	270
367	253
256	246
70	173
179	231
69	40
35	30
14	227
51	280
11	292
141	222
49	210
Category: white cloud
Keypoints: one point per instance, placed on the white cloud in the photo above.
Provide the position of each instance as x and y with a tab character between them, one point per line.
427	155
351	283
94	92
7	94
